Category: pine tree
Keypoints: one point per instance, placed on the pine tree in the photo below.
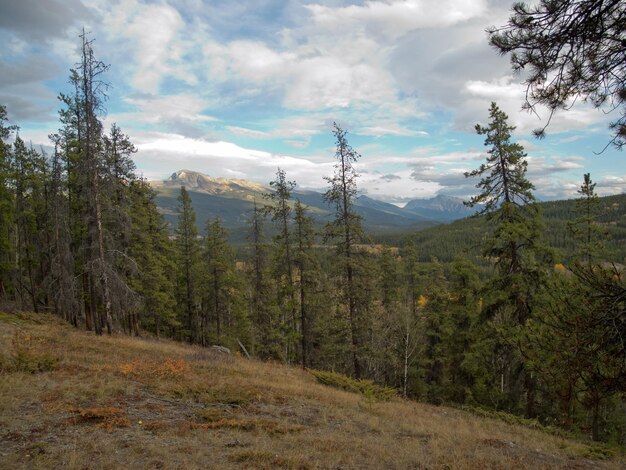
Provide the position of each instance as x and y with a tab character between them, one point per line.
266	337
91	91
433	306
93	221
62	282
570	49
308	271
154	254
280	212
30	211
188	255
221	283
347	230
462	312
118	174
515	241
585	229
7	207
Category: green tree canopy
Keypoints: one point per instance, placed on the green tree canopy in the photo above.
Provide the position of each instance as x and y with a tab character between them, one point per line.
570	49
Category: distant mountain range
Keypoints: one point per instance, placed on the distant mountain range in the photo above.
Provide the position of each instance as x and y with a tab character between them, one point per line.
441	207
233	200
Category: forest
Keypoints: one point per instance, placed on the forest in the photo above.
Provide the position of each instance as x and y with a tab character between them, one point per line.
523	324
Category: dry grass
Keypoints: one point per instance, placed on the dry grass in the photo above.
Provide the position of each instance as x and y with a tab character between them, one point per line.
118	402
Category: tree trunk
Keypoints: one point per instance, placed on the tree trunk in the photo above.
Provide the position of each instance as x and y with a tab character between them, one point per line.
595	420
406	362
303	320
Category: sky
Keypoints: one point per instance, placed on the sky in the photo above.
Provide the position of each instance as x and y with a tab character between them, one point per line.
239	88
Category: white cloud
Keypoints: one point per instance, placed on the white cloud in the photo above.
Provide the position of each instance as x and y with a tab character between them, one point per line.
172	152
156	109
394	19
155	38
394	130
499	89
249	132
397	187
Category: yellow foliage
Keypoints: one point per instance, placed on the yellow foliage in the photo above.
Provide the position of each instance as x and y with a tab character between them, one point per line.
104	417
150	368
422	301
560	268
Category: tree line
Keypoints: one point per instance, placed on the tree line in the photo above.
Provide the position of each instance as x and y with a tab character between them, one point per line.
82	237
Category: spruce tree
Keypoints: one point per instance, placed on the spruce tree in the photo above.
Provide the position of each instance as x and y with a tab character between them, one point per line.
514	243
263	313
347	231
154	254
308	268
188	251
29	177
283	264
221	283
585	228
7	207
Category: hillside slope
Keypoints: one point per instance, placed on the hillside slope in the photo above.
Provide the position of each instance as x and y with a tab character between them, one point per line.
233	200
465	236
71	400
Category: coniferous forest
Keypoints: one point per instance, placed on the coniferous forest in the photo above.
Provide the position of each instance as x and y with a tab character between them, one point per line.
523	324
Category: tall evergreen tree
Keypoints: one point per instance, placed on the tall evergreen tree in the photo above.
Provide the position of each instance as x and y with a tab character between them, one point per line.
7	206
221	283
462	312
30	211
346	229
154	254
188	251
266	335
515	241
280	212
308	269
62	283
585	228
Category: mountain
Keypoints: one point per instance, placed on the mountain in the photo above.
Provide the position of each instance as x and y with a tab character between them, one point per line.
233	201
199	182
441	208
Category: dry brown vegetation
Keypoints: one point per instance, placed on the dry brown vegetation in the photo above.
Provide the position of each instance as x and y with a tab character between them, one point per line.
118	402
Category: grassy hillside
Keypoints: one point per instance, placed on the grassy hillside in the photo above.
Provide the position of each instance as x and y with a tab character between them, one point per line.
71	400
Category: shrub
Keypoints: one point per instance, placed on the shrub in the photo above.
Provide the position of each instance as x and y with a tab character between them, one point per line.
364	387
28	355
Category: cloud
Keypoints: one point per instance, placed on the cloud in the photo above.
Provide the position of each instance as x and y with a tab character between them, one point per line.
389	178
303	81
41	21
614	184
249	132
34	68
394	19
397	187
503	88
181	113
157	39
226	159
393	130
20	109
